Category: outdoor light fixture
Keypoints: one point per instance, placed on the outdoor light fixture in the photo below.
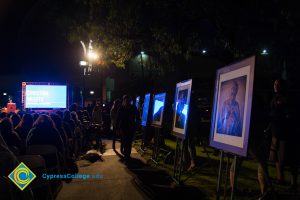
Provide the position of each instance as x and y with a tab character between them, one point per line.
264	52
203	51
142	52
103	105
83	63
92	55
92	92
4	94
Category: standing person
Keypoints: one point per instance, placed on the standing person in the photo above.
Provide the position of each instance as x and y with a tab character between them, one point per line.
113	118
126	124
89	109
279	128
97	115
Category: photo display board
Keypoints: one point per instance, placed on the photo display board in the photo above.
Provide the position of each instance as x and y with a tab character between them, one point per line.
158	109
145	110
181	108
232	107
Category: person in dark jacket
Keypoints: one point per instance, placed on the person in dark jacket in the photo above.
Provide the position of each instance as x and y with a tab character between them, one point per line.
15	119
24	126
126	124
279	128
113	118
44	132
9	135
59	126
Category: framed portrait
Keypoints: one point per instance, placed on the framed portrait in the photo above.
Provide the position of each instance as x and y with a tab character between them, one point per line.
232	107
181	108
158	109
145	110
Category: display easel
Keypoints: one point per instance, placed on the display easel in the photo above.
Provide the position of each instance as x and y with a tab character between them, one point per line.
156	147
178	160
220	173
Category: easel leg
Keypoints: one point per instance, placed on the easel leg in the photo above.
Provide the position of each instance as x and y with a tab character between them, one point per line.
226	179
142	149
178	160
234	177
155	152
219	175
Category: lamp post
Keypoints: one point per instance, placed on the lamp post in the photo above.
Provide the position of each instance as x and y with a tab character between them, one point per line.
87	65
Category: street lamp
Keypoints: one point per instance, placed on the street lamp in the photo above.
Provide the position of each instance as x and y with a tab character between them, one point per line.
89	57
264	52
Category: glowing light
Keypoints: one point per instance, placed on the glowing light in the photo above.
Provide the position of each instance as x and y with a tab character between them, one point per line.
83	63
264	52
142	52
203	51
92	55
4	94
103	105
92	92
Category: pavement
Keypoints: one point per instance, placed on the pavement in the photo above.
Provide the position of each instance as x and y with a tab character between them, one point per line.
117	182
134	180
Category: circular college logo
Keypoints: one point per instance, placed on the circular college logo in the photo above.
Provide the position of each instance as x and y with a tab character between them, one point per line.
22	176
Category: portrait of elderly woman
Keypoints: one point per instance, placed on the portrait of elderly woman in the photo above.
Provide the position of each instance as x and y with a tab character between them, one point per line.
230	120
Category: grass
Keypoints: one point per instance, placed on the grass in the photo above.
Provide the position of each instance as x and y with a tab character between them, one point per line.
204	177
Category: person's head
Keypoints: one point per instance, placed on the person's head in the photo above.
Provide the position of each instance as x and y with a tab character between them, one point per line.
44	122
117	103
6	126
15	119
234	90
35	116
57	120
97	107
126	100
73	107
3	115
279	86
26	121
67	115
60	114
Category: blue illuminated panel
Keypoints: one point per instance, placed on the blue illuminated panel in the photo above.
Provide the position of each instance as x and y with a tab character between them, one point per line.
158	108
145	110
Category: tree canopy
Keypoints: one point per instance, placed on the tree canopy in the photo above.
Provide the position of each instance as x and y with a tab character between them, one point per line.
173	31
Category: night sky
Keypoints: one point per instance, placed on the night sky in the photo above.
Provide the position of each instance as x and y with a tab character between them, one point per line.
32	48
